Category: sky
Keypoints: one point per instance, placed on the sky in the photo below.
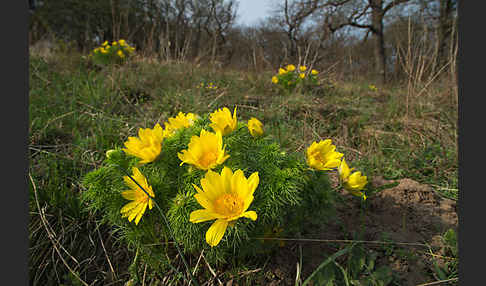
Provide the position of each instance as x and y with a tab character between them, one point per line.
250	12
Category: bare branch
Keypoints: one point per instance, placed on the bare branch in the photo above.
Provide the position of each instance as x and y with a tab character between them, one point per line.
393	4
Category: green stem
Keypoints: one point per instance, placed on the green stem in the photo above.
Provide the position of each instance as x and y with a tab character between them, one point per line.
166	222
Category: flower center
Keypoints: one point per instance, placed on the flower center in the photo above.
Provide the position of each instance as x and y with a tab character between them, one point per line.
229	205
208	158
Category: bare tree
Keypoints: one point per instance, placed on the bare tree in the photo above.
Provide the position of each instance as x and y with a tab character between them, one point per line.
363	14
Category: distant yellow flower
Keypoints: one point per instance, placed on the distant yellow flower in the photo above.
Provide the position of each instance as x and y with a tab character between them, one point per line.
121	42
354	182
105	43
372	87
314	72
148	146
281	71
275	79
114	43
302	68
302	75
223	121
205	151
290	68
96	50
103	51
225	198
140	200
120	54
255	127
180	121
107	47
322	155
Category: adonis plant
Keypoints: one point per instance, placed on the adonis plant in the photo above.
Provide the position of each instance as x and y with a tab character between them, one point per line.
213	183
117	52
290	77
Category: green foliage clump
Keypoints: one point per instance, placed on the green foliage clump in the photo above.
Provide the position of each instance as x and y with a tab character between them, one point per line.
289	196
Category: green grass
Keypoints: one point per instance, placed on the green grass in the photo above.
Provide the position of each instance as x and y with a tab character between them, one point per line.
78	111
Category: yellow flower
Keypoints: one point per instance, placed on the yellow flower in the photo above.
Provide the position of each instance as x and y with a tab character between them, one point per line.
103	51
222	121
302	68
96	50
205	151
140	200
275	79
372	87
255	127
105	43
113	43
354	182
290	68
314	72
302	75
225	198
281	71
120	53
180	121
322	155
121	42
148	146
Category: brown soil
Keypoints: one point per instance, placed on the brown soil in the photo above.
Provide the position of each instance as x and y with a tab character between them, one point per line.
409	212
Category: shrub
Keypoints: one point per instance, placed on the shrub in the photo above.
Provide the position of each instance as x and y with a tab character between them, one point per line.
116	53
223	186
290	77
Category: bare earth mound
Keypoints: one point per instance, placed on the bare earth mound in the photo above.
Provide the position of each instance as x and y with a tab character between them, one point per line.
407	213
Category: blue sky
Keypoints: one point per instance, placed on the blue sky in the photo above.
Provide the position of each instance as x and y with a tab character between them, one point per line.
252	11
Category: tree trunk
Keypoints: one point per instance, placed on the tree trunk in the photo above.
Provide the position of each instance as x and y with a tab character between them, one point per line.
445	30
378	39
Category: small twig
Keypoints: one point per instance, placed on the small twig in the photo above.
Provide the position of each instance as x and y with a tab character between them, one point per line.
197	264
439	282
438	256
106	254
57	155
144	273
217	97
354	150
342	241
56	118
249	271
250	107
211	270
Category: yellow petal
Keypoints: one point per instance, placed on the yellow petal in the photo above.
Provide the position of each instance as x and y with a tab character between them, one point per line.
140	213
226	175
216	231
250	214
202	215
204	201
239	185
253	181
129	195
213	184
134	212
129	207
